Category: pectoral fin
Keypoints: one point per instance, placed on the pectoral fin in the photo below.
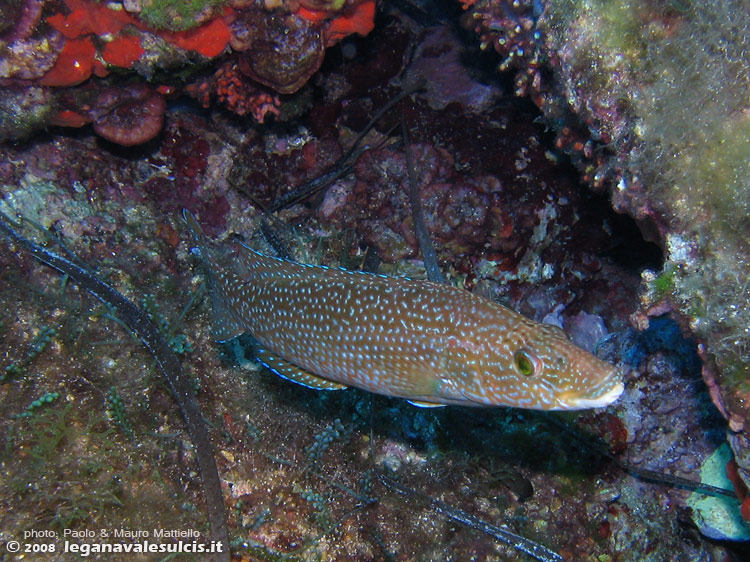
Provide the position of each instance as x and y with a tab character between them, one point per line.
291	372
455	374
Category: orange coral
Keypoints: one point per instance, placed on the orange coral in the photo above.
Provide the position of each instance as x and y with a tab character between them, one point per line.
90	17
93	18
361	20
100	69
73	66
123	51
315	16
209	39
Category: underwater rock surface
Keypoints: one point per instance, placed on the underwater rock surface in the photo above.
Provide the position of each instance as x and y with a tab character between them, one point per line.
718	518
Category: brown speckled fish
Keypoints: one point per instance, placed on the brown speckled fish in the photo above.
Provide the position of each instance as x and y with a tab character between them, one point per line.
432	344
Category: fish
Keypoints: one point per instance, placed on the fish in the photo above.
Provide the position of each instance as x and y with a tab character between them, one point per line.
429	343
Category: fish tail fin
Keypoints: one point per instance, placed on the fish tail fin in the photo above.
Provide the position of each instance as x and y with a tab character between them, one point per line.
226	325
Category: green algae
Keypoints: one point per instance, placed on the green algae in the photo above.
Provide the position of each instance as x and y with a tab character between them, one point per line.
70	489
664	284
118	413
685	69
176	15
37	345
693	124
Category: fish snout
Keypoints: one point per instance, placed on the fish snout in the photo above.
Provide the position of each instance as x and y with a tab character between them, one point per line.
597	397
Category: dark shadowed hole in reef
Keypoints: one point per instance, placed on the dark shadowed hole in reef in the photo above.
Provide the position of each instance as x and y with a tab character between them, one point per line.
627	248
373	68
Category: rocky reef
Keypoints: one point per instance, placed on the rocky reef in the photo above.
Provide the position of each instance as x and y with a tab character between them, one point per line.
584	163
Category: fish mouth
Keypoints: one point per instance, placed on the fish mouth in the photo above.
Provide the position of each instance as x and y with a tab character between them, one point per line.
582	402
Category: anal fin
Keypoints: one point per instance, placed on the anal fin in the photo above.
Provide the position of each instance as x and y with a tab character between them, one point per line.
421	404
291	372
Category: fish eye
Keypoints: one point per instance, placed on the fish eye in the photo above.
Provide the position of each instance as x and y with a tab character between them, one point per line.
526	364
